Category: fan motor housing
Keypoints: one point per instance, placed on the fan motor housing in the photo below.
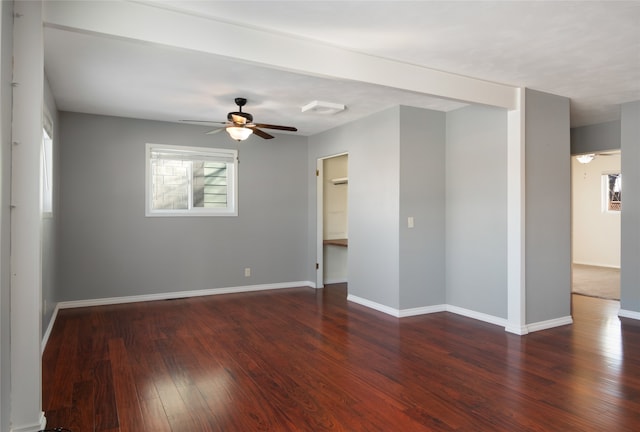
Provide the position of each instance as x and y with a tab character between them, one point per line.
247	116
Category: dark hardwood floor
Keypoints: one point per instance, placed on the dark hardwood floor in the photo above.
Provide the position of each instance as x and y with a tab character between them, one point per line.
306	360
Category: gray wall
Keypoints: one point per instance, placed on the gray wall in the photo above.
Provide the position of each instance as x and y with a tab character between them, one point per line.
373	146
422	195
397	169
476	209
6	75
548	207
595	138
108	248
50	295
630	223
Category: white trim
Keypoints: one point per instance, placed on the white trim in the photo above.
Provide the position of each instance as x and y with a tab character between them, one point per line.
477	315
47	333
319	222
320	218
165	296
502	322
424	310
25	374
47	122
373	305
335	281
398	313
33	427
623	313
181	294
516	211
544	325
518	330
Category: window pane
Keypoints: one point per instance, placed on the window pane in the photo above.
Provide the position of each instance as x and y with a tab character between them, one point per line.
170	184
209	184
615	192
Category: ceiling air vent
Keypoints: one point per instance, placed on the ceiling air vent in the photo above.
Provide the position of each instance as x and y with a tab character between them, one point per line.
320	107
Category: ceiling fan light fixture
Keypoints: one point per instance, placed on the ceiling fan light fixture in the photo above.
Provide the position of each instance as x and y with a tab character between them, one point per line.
239	133
320	107
585	158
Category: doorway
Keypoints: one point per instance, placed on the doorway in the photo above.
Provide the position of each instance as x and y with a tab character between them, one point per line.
332	217
596	213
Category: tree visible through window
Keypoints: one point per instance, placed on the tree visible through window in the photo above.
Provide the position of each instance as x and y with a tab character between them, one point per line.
614	191
190	181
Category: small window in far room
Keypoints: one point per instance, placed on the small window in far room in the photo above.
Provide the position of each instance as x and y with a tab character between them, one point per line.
191	181
612	192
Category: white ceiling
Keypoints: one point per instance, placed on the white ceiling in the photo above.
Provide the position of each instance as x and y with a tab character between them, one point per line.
587	51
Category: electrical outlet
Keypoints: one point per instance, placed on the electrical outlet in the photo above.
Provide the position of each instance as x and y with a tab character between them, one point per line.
247	272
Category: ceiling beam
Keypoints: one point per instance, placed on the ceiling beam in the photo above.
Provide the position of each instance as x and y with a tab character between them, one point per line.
149	23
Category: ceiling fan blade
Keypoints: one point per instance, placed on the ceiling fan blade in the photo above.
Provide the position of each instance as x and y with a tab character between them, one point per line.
261	133
284	128
215	131
205	122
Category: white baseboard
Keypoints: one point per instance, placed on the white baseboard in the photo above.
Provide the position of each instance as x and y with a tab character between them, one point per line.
521	330
163	296
334	281
477	315
373	305
40	425
424	310
623	313
401	313
181	294
398	313
544	325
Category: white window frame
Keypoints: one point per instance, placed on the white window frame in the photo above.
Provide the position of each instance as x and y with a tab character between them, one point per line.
227	155
46	165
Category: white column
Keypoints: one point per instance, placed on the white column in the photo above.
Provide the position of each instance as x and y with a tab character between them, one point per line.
516	294
26	268
5	155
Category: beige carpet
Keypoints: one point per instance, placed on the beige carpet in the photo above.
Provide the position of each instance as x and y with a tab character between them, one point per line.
592	281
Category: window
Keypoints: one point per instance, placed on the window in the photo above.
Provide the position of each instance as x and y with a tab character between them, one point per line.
46	167
612	188
191	181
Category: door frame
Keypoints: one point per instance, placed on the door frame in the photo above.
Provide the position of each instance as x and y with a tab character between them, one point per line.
320	217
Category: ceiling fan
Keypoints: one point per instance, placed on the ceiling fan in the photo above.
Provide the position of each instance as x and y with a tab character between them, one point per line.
585	158
240	124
